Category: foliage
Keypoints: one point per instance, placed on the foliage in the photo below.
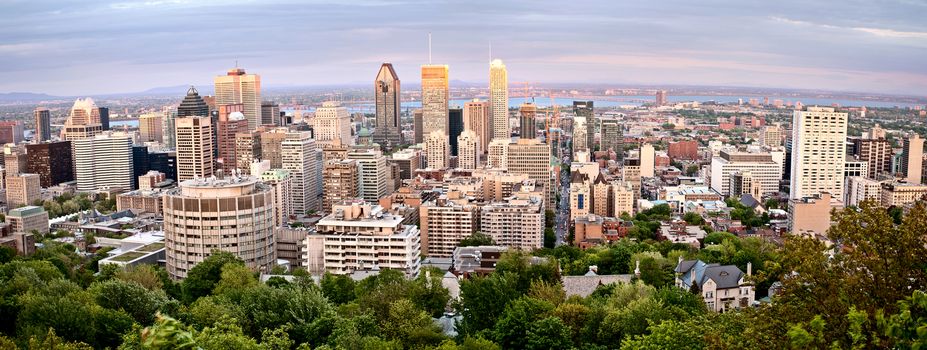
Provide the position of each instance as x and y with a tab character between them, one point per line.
477	239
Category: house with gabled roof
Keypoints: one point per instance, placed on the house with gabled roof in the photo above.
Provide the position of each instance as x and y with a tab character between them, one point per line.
722	287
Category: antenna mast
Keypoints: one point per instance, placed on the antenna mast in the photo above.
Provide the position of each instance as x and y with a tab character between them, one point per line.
429	47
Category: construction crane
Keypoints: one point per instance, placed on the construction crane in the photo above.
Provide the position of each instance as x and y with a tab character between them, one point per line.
527	93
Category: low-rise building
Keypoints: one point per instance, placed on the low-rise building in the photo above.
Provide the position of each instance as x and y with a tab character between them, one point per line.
901	194
28	218
723	288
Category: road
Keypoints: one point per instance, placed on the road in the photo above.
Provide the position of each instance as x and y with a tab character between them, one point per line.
563	208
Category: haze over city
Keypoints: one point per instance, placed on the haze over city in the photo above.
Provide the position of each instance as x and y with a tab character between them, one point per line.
97	47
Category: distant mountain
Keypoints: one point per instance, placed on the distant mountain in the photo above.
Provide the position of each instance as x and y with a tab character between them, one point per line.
26	96
203	89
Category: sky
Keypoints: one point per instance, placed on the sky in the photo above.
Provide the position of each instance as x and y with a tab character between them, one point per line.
87	47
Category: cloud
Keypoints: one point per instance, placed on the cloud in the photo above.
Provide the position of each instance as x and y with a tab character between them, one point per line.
878	32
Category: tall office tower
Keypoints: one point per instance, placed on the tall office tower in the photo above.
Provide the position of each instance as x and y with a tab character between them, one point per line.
408	160
468	145
270	113
818	152
499	100
417	126
585	109
363	237
22	190
247	151
79	124
647	160
437	150
52	161
272	146
101	116
435	95
103	162
298	157
238	87
579	134
456	126
164	162
192	105
912	158
771	136
878	154
11	131
372	172
387	94
612	136
445	222
194	147
231	122
141	163
661	98
244	205
279	181
332	122
151	127
339	178
15	160
530	156
763	169
526	123
476	118
42	124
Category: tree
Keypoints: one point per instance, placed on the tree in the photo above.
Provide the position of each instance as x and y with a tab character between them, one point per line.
693	218
338	288
477	239
548	333
131	297
7	254
550	218
483	299
511	329
550	238
407	322
203	277
235	278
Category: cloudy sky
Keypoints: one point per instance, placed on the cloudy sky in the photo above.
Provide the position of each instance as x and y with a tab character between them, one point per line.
92	47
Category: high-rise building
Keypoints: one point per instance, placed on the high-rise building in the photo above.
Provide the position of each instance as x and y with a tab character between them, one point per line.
530	156
476	118
42	124
516	222
231	123
445	222
372	172
193	211
499	100
52	161
468	145
408	161
238	87
192	105
272	146
878	154
912	158
647	159
80	123
15	160
435	95
818	152
164	162
331	123
455	126
527	126
661	98
151	127
579	135
11	131
586	110
361	237
247	150
299	159
22	190
612	136
497	154
771	136
437	150
339	178
279	181
103	162
417	126
194	147
270	113
388	132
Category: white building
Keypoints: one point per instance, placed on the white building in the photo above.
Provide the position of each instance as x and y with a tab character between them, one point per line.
497	156
193	138
437	150
445	222
279	180
647	160
372	171
499	100
762	168
517	222
332	122
818	152
468	150
860	188
103	162
298	153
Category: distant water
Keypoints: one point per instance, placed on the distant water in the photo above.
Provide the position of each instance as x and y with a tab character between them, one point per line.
115	124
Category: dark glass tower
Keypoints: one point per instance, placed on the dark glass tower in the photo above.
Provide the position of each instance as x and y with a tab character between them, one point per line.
52	161
104	117
585	109
192	105
388	133
455	126
42	125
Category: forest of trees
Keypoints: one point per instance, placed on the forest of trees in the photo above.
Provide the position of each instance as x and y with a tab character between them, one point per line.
867	290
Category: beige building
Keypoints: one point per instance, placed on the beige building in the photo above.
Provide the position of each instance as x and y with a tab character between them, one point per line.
580	196
238	87
647	155
601	197
912	159
26	219
372	173
468	150
902	194
811	216
435	95
339	179
497	154
761	166
83	121
437	150
15	159
818	152
623	198
516	222
22	190
235	214
860	189
194	147
247	150
151	127
579	134
499	100
445	222
272	146
533	158
332	122
144	200
362	237
476	118
279	181
771	136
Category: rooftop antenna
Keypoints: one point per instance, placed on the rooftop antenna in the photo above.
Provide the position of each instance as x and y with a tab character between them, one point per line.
236	64
490	51
429	47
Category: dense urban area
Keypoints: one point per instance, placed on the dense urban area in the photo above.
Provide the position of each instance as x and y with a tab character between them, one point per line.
518	216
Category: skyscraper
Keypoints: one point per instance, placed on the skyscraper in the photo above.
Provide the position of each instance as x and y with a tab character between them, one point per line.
151	127
79	124
530	156
437	150
912	158
612	136
194	147
455	126
192	106
468	146
388	132
42	124
103	162
661	98
585	109
372	172
331	123
231	122
239	87
339	178
476	118
22	190
299	158
247	151
526	114
270	113
435	95
417	125
499	100
818	152
11	131
52	161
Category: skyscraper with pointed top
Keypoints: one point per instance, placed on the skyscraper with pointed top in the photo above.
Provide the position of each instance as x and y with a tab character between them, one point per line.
388	133
499	100
239	87
192	105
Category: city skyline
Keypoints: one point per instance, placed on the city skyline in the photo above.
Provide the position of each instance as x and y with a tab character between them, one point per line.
134	46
